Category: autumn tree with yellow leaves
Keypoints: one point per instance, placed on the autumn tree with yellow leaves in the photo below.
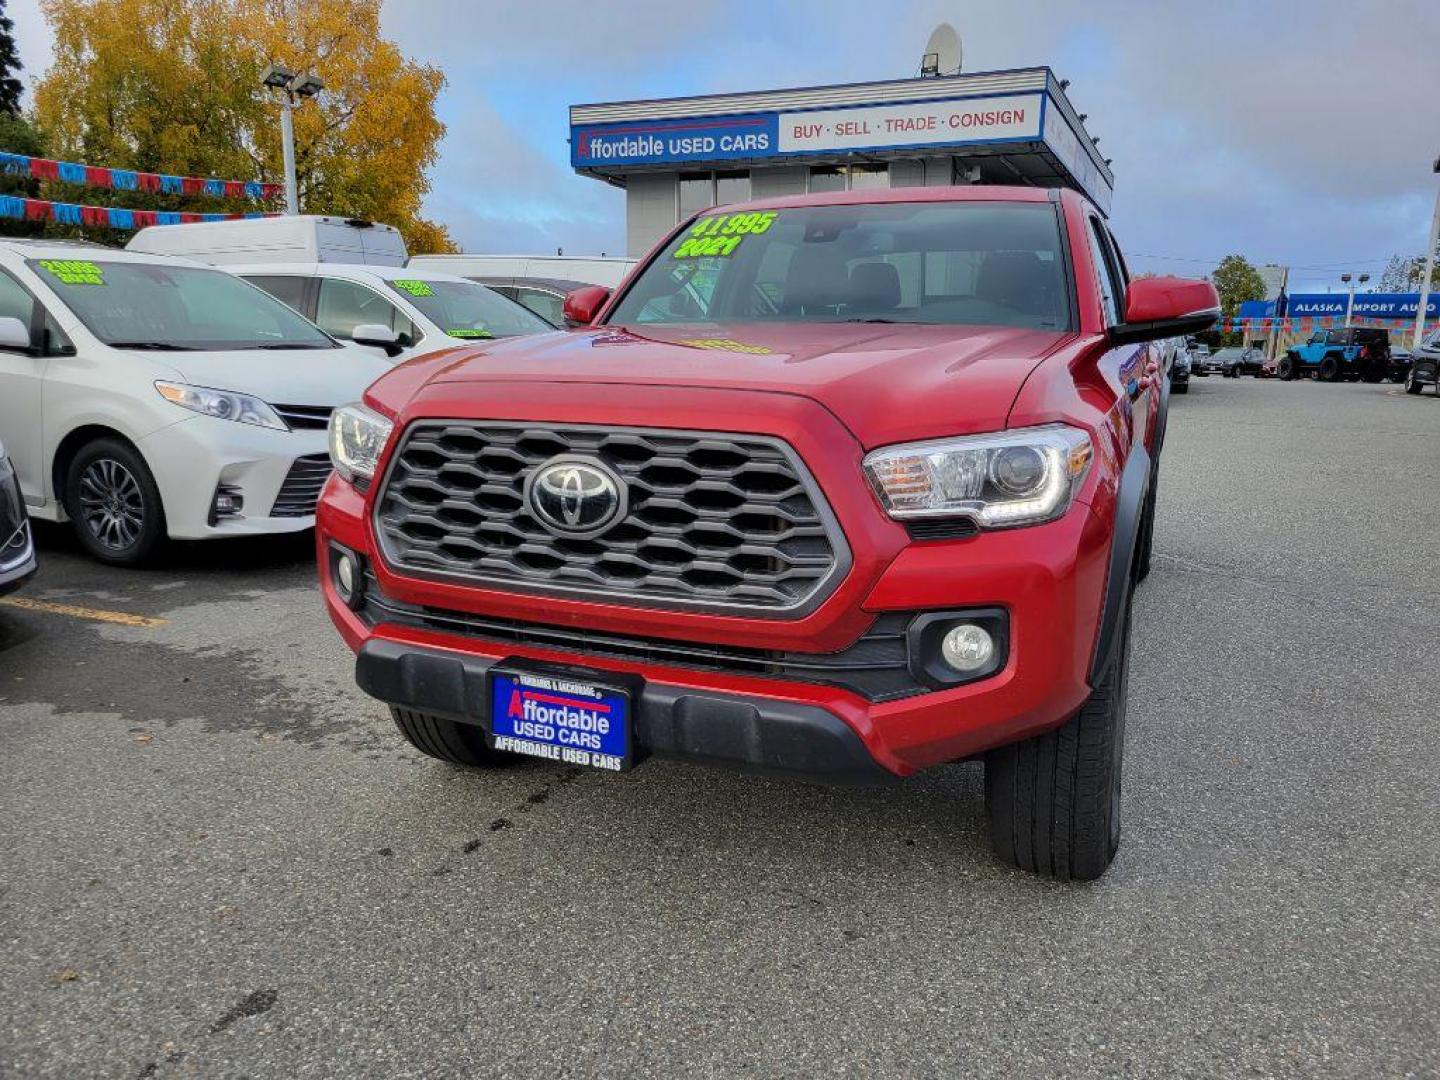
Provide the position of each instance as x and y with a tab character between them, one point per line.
173	86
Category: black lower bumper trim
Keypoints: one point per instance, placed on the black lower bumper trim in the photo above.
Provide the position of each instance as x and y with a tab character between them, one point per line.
732	730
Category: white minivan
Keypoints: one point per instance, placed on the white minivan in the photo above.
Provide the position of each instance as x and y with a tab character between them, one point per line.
402	312
589	269
145	397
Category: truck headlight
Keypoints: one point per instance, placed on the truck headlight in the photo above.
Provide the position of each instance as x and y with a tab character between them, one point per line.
222	404
1011	478
357	438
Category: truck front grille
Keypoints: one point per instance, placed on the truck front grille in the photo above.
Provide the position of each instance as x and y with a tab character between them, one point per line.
711	521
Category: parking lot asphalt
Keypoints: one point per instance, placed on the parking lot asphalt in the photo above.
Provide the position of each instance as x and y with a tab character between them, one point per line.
218	859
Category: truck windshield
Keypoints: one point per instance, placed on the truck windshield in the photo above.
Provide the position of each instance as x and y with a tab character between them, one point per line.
968	264
466	309
154	305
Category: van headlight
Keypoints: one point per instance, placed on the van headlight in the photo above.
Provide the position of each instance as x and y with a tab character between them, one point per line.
999	481
222	404
357	439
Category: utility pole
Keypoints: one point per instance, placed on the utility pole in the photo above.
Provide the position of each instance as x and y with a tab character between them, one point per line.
1429	269
1281	301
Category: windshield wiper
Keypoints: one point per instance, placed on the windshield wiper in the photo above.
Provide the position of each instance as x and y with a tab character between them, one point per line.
158	346
896	321
288	345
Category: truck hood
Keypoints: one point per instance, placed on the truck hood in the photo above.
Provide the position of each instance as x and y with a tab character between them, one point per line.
320	377
885	382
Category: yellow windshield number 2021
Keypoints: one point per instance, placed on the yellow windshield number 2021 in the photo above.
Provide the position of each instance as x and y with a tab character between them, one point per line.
720	234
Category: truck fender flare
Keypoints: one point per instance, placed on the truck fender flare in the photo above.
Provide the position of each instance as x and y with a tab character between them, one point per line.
1129	508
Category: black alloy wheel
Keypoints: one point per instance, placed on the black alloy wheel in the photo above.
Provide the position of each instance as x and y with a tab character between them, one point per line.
113	503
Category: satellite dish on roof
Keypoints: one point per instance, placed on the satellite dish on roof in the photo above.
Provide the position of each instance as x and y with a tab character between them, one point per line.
942	52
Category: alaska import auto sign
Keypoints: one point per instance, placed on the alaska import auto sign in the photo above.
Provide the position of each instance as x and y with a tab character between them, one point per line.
944	122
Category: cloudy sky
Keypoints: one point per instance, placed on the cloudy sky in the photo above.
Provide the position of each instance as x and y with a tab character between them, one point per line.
1296	133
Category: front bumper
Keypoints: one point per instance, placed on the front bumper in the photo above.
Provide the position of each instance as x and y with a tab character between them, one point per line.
747	732
17	544
191	459
1048	579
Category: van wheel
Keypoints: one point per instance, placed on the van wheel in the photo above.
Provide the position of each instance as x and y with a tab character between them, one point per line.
113	503
1053	801
459	744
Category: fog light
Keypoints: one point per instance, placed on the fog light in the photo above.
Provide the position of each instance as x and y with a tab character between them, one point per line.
228	502
345	576
967	647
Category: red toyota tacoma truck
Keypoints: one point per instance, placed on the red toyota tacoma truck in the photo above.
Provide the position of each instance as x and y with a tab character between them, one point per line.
839	486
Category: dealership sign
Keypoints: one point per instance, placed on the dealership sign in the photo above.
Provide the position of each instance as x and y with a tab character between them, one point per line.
1029	121
655	142
921	123
948	122
1333	305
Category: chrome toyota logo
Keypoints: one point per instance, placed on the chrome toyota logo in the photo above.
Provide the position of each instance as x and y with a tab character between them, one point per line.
575	496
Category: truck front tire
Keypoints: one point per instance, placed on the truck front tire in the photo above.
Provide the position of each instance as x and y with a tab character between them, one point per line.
459	744
1329	369
1053	802
1286	368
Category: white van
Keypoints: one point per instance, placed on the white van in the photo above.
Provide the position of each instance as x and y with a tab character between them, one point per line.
145	397
400	311
588	270
310	238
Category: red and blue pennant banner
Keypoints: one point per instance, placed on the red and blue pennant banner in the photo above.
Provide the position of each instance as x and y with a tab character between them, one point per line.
68	172
1265	325
104	217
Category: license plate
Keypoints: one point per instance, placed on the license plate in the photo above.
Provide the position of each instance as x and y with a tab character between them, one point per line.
549	715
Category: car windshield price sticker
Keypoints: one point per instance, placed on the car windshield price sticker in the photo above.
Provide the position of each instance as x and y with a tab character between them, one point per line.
720	234
547	716
471	332
73	271
414	287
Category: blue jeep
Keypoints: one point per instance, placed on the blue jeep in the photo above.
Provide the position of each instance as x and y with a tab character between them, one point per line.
1344	353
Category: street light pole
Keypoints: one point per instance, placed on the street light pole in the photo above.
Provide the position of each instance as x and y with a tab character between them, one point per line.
290	87
1429	269
287	138
1350	302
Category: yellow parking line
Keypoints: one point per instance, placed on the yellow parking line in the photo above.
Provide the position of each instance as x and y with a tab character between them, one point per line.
124	618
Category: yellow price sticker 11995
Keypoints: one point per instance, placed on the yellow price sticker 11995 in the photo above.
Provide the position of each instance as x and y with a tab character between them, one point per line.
720	234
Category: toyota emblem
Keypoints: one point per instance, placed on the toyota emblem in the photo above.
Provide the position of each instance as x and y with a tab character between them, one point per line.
575	496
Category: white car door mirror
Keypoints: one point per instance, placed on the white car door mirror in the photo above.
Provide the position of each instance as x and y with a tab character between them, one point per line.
14	334
381	337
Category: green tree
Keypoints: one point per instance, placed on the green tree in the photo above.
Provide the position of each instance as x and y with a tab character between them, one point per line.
1236	281
1403	274
18	134
173	86
10	66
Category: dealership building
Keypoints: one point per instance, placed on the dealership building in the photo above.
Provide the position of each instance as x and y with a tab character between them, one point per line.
678	155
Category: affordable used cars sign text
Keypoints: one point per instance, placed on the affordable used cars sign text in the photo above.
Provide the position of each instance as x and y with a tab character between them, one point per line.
762	135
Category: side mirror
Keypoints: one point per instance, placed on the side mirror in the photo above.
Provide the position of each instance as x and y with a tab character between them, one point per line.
1162	306
381	337
14	334
582	305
